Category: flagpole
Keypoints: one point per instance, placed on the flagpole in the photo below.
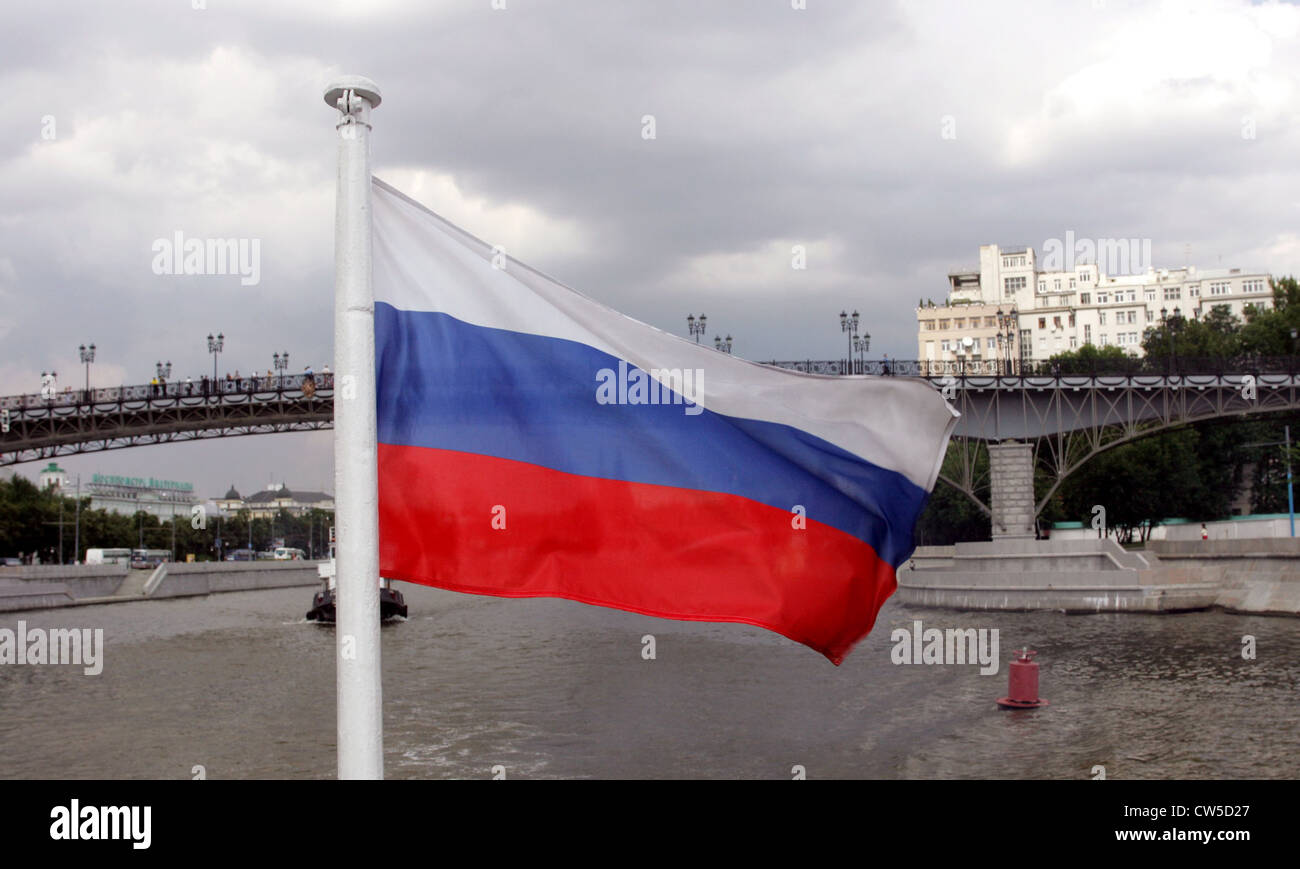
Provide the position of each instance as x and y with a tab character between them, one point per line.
359	680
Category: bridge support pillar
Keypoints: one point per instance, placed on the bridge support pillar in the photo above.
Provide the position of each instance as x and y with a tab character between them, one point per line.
1011	484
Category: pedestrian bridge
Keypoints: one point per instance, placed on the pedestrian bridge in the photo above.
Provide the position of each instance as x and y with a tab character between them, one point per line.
1022	417
1039	417
45	425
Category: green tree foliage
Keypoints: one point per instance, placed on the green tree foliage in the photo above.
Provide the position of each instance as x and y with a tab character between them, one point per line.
949	515
1176	474
1087	359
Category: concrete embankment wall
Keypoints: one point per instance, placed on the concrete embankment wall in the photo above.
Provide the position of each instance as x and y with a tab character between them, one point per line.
1256	576
45	586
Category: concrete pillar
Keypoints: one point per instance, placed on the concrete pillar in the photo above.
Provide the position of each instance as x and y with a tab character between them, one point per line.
1011	483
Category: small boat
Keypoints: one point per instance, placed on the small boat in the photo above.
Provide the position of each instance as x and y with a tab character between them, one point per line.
391	602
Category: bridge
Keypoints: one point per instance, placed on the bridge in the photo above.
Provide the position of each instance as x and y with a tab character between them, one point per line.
1025	416
45	425
1056	418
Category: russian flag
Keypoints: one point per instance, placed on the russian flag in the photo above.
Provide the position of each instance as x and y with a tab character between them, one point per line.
536	443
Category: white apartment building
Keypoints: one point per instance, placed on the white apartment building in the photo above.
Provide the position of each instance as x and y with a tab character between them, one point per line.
1057	311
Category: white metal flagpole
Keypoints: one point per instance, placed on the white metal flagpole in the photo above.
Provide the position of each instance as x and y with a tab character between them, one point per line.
356	484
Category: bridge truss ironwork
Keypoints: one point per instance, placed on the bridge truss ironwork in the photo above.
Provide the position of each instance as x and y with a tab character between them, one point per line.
1069	418
41	426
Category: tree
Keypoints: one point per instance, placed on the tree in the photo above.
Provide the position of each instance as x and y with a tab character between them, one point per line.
1089	359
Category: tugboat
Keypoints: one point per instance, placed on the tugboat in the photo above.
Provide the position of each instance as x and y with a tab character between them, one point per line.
391	602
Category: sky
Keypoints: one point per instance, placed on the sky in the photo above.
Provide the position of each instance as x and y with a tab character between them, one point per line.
885	140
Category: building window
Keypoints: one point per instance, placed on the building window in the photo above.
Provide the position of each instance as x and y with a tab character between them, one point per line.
1087	333
1011	285
1085	298
991	342
1151	295
960	323
1042	286
1071	283
1173	294
1102	318
1071	320
1254	285
1220	288
1074	342
1056	284
1132	316
1042	322
944	345
1193	290
944	324
1103	298
1056	322
1103	340
990	322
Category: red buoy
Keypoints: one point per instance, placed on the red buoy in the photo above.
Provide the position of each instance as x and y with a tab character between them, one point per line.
1022	683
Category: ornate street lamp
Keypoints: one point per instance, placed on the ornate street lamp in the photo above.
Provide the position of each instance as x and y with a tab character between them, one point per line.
164	371
281	361
849	325
214	347
87	357
722	344
861	346
1008	326
1172	325
694	327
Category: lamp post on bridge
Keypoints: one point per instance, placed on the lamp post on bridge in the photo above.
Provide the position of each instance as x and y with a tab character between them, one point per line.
722	345
849	325
861	346
1008	327
214	347
1171	325
281	361
694	327
87	357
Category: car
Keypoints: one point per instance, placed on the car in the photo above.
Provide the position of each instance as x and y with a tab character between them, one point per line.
241	555
10	561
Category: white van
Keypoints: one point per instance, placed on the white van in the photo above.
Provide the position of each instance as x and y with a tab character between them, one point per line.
108	556
288	553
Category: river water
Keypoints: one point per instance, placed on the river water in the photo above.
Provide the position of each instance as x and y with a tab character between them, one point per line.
243	686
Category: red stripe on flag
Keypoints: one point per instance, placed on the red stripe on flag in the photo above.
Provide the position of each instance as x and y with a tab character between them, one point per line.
658	550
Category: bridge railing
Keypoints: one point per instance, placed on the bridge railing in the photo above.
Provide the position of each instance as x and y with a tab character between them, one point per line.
1150	366
261	385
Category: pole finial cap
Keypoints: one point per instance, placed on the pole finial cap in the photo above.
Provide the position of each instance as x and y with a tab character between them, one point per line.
363	86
